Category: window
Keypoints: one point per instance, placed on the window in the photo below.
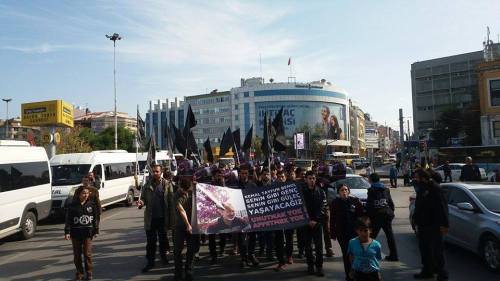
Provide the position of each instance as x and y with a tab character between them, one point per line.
246	94
235	107
118	170
495	92
459	196
21	175
496	129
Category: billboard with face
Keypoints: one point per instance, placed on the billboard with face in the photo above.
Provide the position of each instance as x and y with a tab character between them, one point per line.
328	118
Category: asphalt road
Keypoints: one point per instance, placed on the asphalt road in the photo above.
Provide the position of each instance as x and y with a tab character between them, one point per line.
119	255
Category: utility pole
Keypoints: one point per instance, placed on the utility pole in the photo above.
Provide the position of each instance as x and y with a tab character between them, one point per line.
7	119
113	38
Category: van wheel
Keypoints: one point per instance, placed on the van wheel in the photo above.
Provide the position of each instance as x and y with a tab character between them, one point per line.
130	198
490	249
28	226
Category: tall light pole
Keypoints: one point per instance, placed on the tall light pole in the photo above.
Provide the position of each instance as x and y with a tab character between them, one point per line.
7	120
113	38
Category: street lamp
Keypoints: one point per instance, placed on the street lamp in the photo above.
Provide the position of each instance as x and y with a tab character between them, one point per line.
113	38
7	120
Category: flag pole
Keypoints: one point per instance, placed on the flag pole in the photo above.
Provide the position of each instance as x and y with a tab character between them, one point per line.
137	149
236	150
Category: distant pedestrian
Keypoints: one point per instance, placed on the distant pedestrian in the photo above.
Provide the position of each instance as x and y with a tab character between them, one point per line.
431	224
81	225
368	170
380	210
393	175
344	212
447	172
157	196
365	253
470	171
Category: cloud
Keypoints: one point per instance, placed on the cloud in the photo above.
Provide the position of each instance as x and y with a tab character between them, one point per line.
39	49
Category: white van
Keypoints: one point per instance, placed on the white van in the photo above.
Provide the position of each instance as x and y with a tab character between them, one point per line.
162	158
115	170
24	187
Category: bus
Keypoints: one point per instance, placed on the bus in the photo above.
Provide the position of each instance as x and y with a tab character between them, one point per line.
115	170
25	185
487	157
343	157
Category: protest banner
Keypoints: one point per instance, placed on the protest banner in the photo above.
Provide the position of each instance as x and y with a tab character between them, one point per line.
226	210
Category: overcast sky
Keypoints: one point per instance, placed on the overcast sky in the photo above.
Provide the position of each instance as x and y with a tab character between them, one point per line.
57	49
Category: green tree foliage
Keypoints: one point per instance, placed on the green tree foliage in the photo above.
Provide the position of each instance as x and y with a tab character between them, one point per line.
106	139
455	123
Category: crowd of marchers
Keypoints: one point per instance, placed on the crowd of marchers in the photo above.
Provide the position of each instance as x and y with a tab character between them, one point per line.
167	201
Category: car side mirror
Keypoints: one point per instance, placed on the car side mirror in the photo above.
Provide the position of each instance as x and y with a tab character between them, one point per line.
465	206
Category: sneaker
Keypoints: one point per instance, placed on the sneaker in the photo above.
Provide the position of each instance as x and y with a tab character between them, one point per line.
147	268
320	272
423	275
280	267
389	258
253	260
310	270
289	260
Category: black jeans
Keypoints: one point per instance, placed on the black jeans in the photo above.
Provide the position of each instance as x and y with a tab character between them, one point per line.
313	235
385	223
326	232
366	276
266	242
212	245
430	243
156	232
344	244
394	182
181	236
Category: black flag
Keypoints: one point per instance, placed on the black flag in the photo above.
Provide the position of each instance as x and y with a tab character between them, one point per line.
279	140
151	160
191	144
208	150
190	122
248	140
141	133
236	138
226	143
179	141
266	146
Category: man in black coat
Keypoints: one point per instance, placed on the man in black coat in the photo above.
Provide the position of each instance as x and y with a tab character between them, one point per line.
431	222
470	172
316	205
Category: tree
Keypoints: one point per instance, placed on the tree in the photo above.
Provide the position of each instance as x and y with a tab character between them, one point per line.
106	139
72	142
455	123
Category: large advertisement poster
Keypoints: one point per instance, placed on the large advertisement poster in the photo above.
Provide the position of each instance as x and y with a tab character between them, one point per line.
327	118
226	210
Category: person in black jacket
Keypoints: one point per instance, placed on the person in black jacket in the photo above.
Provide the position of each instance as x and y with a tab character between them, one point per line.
81	226
344	213
380	209
431	223
316	205
470	172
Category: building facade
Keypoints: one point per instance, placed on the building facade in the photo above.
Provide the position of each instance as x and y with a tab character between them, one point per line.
358	143
371	135
159	116
489	94
99	121
16	131
318	105
441	84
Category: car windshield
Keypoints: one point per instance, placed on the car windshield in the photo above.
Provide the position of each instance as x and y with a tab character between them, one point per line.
69	174
353	183
489	197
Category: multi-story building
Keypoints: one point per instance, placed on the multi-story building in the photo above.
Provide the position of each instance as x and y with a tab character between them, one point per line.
371	135
441	84
213	115
357	116
16	131
489	94
99	121
161	114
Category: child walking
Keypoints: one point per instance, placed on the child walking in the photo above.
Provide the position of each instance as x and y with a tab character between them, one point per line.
365	253
82	224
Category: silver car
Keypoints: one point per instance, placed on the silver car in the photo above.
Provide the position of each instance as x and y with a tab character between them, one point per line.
357	184
474	216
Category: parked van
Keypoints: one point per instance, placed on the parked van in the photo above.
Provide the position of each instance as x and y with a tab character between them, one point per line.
114	169
24	188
